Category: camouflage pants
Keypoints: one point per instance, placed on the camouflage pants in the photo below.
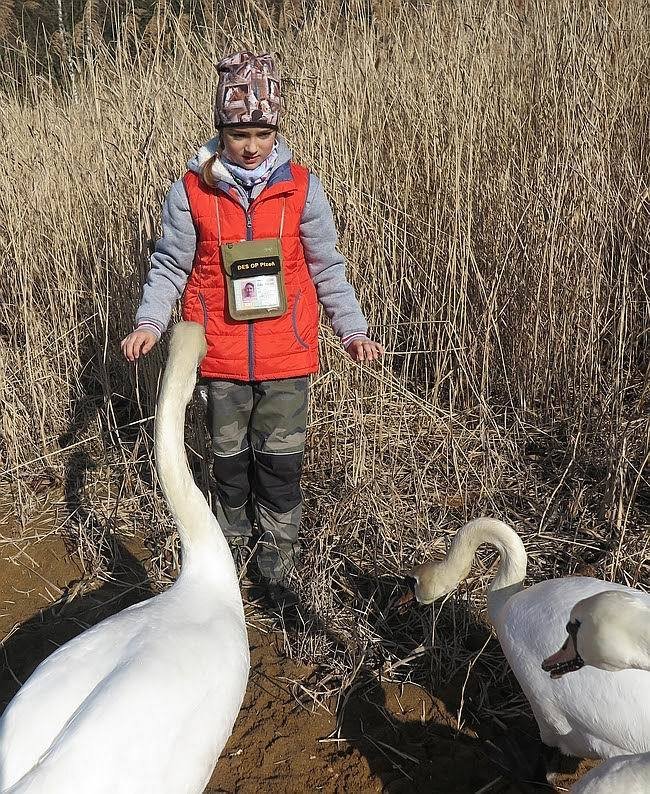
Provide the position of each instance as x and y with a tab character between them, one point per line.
258	439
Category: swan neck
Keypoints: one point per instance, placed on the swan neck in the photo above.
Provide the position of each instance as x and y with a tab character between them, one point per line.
510	575
202	541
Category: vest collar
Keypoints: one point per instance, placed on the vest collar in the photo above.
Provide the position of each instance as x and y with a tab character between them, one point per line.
281	182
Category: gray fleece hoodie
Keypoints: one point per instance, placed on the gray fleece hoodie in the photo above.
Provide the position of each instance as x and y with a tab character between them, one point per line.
172	260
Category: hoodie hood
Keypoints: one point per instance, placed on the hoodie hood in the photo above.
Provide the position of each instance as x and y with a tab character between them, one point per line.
219	169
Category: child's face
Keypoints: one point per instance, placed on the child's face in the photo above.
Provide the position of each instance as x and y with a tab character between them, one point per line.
248	146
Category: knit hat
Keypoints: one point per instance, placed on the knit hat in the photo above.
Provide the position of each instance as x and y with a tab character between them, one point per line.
248	91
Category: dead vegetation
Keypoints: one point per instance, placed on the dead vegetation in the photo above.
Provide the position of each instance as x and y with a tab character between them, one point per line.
488	166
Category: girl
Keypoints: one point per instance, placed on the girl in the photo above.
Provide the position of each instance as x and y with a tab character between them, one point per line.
249	242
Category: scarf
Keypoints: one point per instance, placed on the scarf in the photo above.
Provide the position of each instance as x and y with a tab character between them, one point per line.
247	177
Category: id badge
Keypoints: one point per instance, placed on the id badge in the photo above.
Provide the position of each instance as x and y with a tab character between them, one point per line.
255	279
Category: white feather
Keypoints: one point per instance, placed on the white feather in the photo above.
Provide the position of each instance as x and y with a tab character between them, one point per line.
612	632
627	774
146	700
591	713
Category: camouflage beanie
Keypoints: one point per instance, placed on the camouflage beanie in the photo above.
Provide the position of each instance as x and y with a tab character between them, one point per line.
248	91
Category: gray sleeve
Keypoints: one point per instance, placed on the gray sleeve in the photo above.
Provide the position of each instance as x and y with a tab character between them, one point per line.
171	262
327	265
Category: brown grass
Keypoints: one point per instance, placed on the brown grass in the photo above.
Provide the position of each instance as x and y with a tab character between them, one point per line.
487	163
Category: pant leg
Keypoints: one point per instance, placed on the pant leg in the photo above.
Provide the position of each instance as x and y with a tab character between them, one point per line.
277	433
229	409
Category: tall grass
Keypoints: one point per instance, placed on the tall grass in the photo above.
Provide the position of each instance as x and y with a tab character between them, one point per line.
488	166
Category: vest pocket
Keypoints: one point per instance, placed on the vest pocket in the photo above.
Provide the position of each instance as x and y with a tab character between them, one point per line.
204	307
294	322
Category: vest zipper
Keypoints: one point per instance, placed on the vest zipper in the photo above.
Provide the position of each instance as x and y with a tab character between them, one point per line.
251	332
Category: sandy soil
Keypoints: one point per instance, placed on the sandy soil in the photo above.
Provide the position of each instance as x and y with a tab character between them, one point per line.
390	739
386	738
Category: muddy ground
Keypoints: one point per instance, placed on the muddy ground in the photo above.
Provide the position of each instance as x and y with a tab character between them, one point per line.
375	738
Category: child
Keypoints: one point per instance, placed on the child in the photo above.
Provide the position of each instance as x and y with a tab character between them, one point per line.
249	243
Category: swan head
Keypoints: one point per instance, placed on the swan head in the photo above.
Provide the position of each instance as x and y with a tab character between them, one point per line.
437	578
431	581
604	631
187	348
188	342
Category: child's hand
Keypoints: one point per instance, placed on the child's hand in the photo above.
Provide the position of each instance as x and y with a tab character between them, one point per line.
138	343
364	350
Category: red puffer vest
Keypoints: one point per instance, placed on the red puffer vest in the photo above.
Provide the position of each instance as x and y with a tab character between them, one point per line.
270	348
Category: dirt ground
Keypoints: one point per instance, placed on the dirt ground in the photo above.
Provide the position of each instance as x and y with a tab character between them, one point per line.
377	738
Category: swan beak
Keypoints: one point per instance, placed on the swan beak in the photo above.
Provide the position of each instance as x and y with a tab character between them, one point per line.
566	660
401	604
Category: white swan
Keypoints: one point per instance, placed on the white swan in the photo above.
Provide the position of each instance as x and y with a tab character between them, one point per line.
610	631
597	717
145	700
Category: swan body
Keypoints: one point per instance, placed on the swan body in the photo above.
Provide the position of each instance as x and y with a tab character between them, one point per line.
600	715
146	700
624	774
609	631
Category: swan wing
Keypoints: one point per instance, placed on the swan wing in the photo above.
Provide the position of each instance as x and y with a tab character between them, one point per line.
590	712
58	686
157	723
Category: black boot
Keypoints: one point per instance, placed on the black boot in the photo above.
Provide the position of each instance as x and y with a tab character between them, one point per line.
240	550
276	566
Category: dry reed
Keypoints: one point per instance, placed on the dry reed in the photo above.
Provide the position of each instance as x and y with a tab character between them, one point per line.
487	163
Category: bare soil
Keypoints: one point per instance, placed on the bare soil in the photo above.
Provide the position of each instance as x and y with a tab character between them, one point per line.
373	738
